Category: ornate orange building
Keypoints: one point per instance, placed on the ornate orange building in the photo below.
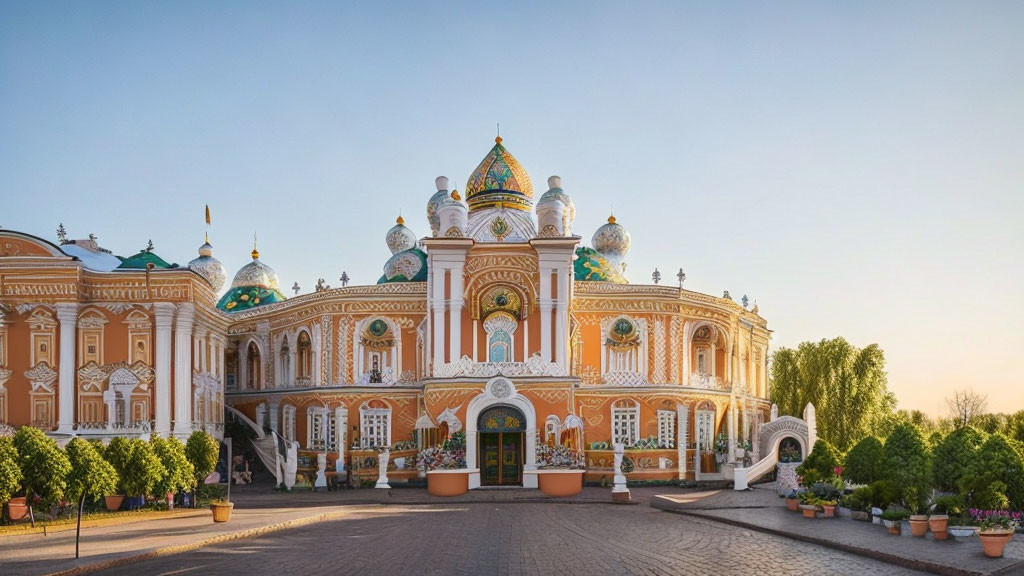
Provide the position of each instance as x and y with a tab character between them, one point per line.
499	324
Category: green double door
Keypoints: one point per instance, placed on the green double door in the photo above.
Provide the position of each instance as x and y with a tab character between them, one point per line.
501	458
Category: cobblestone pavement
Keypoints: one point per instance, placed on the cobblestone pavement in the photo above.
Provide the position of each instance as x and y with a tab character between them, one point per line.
514	538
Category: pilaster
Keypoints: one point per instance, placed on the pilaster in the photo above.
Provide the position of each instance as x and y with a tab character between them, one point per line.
67	314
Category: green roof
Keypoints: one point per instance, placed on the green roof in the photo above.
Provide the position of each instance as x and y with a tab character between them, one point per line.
140	260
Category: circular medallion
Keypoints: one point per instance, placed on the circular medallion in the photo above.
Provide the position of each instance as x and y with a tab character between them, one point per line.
501	389
378	328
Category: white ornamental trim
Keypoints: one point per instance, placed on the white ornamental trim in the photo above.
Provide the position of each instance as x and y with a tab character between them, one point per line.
466	367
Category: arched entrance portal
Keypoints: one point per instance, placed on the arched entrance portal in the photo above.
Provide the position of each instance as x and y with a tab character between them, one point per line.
501	430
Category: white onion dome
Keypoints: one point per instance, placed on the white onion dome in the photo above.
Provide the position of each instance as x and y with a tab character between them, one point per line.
554	193
209	267
612	240
435	201
254	285
400	238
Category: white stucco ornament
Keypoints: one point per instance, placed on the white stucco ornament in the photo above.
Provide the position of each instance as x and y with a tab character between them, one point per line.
501	388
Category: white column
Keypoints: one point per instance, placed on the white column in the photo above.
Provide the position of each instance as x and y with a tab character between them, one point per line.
686	354
438	303
526	339
164	314
476	339
67	314
455	314
545	313
731	417
183	370
562	319
682	437
243	366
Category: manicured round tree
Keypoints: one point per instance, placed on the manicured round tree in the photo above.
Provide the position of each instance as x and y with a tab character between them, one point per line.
865	462
820	464
10	473
909	465
180	475
954	456
119	454
996	477
143	471
44	466
91	476
202	450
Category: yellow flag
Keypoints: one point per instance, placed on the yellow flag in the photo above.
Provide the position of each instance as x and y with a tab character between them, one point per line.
207	214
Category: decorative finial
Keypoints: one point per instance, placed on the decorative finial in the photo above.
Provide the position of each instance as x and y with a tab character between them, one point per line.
456	196
93	237
745	301
611	218
497	137
554	182
441	182
726	295
656	276
681	276
149	246
62	234
754	309
295	288
344	278
400	221
255	252
206	236
320	286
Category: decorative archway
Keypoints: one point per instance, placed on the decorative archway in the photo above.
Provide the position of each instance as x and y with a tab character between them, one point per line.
501	391
501	428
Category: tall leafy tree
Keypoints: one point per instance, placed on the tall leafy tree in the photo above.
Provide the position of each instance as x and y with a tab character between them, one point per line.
180	475
10	473
846	384
955	455
44	466
909	465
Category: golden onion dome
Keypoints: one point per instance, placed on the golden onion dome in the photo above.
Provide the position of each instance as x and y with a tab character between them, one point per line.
499	180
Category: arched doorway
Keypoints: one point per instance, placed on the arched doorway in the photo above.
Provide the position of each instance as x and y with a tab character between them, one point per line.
501	431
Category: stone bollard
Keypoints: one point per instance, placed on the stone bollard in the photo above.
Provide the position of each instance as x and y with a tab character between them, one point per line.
620	493
382	469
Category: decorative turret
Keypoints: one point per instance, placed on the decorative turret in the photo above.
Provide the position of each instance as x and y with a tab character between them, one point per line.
453	216
555	210
254	285
442	193
612	241
400	238
500	199
407	263
206	265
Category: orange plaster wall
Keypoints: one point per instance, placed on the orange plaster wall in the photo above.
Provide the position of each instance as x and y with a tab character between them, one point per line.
18	358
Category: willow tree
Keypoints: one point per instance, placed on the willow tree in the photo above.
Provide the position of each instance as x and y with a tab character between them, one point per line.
846	384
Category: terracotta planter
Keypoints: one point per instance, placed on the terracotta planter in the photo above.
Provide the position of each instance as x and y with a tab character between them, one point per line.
113	502
808	510
221	511
918	525
830	511
938	522
448	482
992	543
17	508
793	504
895	528
559	483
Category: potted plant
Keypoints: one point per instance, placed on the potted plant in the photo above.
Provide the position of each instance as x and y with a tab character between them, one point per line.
10	480
559	470
117	454
44	467
827	495
202	452
996	528
918	521
809	505
893	517
793	501
142	472
180	476
942	508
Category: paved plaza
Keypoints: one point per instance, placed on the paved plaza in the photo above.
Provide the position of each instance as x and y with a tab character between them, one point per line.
514	538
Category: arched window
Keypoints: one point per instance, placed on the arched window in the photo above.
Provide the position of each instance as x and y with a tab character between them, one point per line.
706	426
500	326
253	368
305	367
378	352
286	363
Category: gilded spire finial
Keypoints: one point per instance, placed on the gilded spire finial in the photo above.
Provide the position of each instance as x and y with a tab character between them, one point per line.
497	136
611	218
206	235
456	196
400	221
255	252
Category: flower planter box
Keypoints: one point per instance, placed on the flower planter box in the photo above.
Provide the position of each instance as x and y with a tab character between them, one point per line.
992	543
559	483
793	504
830	511
221	511
808	510
17	508
918	525
962	531
113	502
448	482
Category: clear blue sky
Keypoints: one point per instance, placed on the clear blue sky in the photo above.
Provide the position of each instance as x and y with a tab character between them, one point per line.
854	167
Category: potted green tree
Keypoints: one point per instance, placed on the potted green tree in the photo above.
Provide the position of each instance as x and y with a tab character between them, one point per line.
142	473
10	480
118	454
202	451
44	467
859	503
908	461
942	508
90	478
180	475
